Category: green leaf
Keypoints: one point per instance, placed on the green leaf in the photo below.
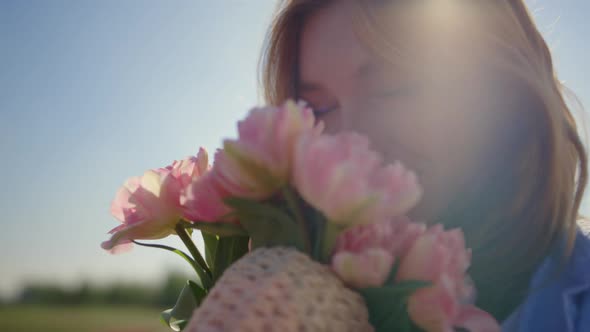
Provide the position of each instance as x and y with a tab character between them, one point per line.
294	205
198	292
409	286
266	224
240	248
229	250
399	290
392	274
179	252
217	228
319	223
189	299
330	234
200	267
211	241
245	205
387	305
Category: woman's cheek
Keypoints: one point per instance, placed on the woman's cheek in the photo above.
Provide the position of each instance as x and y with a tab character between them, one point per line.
332	121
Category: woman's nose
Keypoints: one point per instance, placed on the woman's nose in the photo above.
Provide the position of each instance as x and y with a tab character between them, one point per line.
345	117
349	117
338	120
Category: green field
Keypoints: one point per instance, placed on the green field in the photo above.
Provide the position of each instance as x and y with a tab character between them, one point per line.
79	319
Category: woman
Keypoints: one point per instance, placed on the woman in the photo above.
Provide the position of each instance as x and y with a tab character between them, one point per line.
464	93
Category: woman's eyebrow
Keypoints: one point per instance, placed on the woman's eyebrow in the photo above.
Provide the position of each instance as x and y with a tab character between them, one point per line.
364	72
376	76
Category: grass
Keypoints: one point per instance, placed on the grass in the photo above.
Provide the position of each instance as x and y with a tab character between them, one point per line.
87	319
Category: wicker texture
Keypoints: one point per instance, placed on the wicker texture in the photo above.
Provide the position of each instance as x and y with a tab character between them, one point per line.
283	290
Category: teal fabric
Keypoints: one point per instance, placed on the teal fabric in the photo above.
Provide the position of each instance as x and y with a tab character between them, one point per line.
559	298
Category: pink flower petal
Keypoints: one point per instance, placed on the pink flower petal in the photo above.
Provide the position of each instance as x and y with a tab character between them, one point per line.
369	268
340	176
203	200
434	308
476	320
148	206
259	162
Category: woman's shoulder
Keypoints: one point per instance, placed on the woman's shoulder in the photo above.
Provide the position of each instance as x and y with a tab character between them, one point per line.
559	303
580	298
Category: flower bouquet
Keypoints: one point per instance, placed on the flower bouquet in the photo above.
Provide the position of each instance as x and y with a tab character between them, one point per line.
302	231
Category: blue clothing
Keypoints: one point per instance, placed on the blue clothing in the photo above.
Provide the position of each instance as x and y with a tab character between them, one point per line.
559	298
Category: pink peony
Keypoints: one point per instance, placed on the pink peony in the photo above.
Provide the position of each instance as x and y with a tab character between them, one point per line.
441	258
149	206
188	170
340	176
369	268
203	199
436	309
396	236
476	320
364	254
438	254
259	162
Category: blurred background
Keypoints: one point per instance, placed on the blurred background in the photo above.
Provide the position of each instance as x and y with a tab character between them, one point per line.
93	92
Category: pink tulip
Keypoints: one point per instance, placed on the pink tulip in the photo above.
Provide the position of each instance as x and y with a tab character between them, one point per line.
259	162
149	206
340	176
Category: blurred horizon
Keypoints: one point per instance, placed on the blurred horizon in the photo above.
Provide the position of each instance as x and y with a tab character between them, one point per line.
96	92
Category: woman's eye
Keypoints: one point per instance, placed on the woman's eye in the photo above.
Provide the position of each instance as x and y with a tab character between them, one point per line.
320	111
319	108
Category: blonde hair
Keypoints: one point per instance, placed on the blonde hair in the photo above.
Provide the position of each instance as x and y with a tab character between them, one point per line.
543	183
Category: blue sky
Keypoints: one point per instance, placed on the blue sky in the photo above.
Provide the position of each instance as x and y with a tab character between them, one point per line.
93	92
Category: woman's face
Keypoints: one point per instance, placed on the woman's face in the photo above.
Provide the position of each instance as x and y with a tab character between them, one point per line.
442	129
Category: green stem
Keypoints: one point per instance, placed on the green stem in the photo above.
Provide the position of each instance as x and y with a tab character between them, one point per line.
217	228
320	224
188	242
292	203
181	253
331	232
